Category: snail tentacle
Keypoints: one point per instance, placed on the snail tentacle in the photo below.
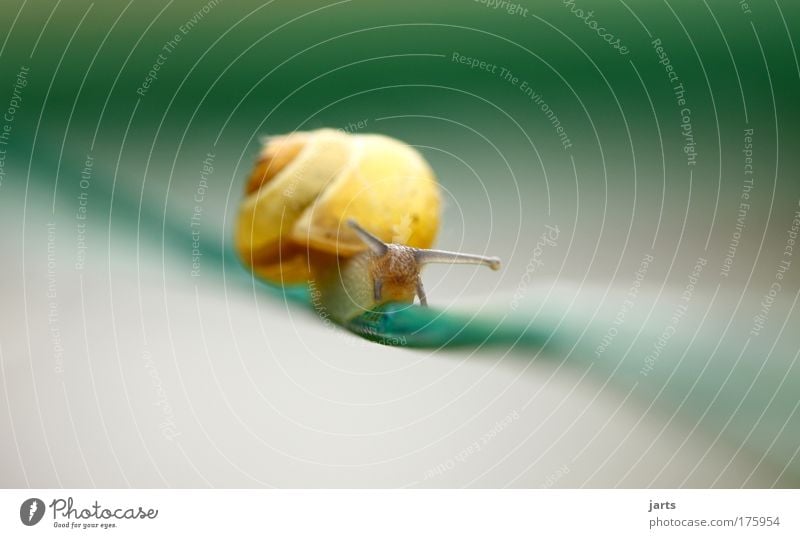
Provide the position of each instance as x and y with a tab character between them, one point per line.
445	256
423	299
374	243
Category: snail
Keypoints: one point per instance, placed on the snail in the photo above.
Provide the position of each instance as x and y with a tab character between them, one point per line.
351	216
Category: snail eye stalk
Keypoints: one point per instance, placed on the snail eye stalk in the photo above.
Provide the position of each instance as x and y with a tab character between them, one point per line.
444	256
375	245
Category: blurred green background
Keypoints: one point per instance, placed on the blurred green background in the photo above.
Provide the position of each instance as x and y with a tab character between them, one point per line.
248	69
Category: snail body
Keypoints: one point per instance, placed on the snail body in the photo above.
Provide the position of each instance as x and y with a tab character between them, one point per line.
351	216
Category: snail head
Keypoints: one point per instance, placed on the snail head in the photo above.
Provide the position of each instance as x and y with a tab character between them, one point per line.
395	269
